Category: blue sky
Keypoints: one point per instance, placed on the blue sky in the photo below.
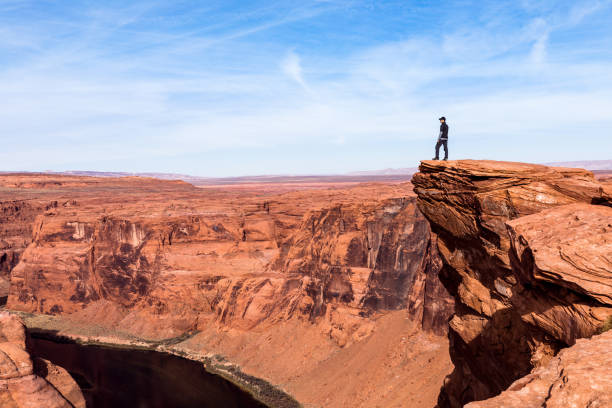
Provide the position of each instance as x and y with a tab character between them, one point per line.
226	88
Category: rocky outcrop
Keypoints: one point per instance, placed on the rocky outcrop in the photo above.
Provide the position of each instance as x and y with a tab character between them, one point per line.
28	383
578	376
569	246
526	256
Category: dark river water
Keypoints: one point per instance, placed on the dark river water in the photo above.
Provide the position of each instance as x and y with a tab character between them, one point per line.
111	377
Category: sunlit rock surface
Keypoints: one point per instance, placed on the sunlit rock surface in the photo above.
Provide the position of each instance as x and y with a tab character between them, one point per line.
526	252
25	383
579	376
303	275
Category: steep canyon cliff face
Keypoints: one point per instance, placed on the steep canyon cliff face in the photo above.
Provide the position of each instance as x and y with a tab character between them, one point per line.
257	264
16	218
293	286
526	252
161	259
31	382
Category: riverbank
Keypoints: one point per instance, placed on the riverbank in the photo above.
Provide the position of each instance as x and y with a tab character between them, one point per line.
61	330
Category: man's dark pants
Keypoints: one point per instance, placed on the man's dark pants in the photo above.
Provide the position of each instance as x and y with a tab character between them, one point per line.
442	142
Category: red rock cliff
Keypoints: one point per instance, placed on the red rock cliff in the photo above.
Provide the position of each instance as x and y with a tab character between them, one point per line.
161	261
27	382
317	290
16	218
578	376
526	252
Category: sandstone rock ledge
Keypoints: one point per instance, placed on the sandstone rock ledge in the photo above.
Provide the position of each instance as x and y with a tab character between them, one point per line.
527	253
579	376
25	383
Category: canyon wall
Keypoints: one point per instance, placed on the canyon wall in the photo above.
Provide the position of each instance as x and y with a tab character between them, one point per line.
31	382
578	376
16	219
526	252
164	275
293	286
158	260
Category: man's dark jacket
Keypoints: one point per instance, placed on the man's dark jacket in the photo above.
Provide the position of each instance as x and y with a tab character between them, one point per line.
443	131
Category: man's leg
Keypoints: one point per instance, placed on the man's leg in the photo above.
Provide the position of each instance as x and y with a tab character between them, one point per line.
437	150
445	149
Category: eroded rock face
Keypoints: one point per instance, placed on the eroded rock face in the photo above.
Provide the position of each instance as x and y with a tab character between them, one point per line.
160	263
578	376
527	277
569	246
367	257
16	218
429	301
295	287
25	383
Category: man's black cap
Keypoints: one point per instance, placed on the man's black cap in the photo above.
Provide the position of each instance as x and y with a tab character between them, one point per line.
442	118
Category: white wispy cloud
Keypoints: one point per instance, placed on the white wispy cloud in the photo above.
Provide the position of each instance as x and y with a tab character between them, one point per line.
293	69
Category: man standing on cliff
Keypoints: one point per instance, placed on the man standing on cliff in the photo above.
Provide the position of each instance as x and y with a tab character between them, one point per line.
442	139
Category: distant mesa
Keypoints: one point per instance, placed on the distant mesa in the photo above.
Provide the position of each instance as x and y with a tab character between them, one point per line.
592	165
389	176
385	175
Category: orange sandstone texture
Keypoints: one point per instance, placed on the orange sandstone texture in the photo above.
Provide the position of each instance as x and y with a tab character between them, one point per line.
292	286
165	264
579	376
25	383
526	252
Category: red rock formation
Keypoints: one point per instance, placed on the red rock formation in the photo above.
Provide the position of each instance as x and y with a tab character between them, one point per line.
25	383
366	257
429	302
26	196
524	288
157	262
16	218
240	265
578	376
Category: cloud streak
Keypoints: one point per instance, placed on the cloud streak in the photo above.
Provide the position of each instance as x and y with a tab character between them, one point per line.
292	68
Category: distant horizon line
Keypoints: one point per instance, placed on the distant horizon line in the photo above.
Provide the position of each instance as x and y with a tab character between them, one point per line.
592	165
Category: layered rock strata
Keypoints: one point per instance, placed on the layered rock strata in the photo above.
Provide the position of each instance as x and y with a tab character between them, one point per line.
292	286
578	376
180	273
16	218
162	260
526	255
27	382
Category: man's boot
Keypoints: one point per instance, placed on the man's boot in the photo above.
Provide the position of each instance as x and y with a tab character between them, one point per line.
435	158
